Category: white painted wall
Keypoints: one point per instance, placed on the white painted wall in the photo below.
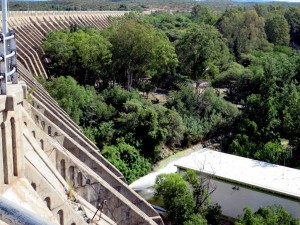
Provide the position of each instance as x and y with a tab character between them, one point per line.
234	201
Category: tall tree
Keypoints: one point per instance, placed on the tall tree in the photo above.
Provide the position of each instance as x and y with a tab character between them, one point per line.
83	54
293	17
244	31
203	14
93	54
139	51
202	52
277	29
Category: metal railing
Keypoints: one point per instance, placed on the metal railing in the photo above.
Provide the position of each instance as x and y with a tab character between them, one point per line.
8	59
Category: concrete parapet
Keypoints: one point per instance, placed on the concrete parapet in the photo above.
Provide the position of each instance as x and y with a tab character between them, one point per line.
11	154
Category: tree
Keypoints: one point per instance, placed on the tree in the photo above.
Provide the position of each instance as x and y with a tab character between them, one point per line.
269	215
139	126
272	152
72	97
139	50
291	120
293	17
202	188
173	25
173	124
177	198
237	80
128	160
83	54
213	214
196	189
93	54
203	114
195	219
244	31
142	124
59	51
203	14
202	52
277	30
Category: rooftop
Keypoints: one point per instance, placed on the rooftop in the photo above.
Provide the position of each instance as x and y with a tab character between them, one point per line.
274	178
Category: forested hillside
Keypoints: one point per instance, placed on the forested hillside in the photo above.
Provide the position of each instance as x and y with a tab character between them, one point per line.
229	77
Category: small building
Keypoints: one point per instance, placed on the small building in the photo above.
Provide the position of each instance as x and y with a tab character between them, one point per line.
242	182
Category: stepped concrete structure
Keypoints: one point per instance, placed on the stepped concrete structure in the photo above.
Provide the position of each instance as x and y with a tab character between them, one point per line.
50	173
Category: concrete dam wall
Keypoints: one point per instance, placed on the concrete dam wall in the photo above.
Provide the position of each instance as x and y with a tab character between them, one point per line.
49	168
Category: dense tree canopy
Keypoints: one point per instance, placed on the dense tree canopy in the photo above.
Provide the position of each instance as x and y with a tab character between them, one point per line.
247	58
202	52
128	160
244	31
177	198
85	55
293	17
140	51
277	29
268	215
203	114
203	14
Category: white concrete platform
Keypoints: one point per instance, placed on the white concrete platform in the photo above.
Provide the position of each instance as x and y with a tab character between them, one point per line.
273	178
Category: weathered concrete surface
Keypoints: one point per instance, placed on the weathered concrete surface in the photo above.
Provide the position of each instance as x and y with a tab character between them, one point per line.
67	184
20	204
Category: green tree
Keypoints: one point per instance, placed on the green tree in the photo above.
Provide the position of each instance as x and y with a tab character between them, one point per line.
59	51
272	152
196	189
291	120
203	114
277	29
201	188
244	31
213	214
72	97
142	124
195	219
128	160
83	54
237	80
173	124
268	216
139	126
177	198
203	14
202	52
173	25
293	17
118	96
139	50
93	53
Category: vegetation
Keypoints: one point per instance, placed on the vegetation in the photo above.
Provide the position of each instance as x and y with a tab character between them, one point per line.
229	76
187	205
268	215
